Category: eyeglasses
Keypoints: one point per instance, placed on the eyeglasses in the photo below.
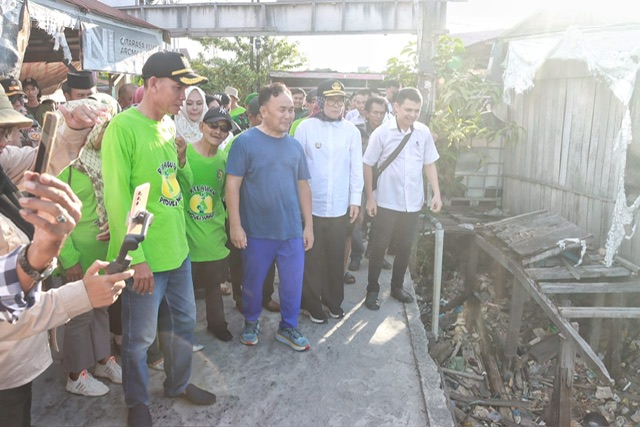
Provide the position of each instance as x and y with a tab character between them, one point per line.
6	132
216	126
334	102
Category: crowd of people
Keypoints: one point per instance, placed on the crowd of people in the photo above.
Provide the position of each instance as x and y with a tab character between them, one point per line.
285	180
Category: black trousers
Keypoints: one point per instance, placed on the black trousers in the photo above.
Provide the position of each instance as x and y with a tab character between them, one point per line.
15	406
209	275
324	265
400	225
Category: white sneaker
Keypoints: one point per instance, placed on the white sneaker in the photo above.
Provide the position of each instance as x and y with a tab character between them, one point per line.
86	385
197	348
111	370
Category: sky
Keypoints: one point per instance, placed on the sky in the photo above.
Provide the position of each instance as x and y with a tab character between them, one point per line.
354	53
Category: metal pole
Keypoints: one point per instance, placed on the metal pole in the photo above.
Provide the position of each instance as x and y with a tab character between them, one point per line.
437	274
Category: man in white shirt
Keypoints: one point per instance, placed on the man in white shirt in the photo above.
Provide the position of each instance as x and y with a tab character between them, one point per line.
398	199
357	115
391	88
333	150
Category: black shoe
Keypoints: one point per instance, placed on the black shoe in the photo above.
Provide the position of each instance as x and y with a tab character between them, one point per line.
318	317
139	416
338	314
371	301
198	396
401	295
354	265
386	265
222	334
272	306
349	279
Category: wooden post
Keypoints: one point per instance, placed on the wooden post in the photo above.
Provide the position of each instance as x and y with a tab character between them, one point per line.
518	298
613	360
596	324
500	279
563	384
472	266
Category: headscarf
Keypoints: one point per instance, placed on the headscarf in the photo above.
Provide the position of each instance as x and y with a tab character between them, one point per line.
89	161
320	111
185	127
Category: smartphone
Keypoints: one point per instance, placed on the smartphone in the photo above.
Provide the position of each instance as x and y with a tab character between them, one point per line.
47	142
138	205
138	222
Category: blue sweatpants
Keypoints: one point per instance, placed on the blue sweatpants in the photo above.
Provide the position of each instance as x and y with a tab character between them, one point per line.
257	258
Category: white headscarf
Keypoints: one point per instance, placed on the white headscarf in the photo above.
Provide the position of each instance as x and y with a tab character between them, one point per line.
185	127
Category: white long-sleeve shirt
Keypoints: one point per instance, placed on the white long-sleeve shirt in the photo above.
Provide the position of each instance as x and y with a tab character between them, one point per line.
334	155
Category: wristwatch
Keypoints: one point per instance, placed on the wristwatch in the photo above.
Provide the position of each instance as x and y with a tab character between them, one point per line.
36	275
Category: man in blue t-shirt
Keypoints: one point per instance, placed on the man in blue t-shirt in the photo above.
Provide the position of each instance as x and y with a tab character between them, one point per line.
267	193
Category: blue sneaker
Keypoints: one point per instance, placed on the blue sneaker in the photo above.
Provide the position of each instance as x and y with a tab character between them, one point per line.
293	338
250	334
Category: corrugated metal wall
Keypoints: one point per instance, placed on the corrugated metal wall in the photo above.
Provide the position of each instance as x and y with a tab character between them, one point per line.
563	161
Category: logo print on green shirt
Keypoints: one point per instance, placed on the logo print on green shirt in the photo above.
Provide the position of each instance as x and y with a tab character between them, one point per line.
201	202
170	191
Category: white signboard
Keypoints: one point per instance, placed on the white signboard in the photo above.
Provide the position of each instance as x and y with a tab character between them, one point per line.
117	49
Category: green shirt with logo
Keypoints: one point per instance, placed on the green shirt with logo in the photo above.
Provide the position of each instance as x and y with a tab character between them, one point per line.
81	246
135	150
205	213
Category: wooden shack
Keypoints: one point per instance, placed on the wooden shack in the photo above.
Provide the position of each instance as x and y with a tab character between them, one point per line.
570	80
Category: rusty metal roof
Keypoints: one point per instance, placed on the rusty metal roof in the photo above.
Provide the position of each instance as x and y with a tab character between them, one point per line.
94	6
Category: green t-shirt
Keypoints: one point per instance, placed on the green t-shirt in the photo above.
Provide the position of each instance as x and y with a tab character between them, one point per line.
135	150
205	213
295	124
227	147
81	245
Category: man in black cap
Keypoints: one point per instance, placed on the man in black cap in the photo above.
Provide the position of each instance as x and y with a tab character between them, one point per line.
79	85
33	105
333	149
139	146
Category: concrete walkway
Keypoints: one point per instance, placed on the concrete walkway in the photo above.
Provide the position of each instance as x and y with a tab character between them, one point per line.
368	369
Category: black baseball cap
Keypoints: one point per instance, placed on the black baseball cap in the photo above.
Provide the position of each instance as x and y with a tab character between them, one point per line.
331	87
222	98
313	93
172	65
30	81
11	86
81	79
253	107
219	114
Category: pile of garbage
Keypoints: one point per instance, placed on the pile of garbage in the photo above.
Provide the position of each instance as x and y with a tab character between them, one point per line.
487	390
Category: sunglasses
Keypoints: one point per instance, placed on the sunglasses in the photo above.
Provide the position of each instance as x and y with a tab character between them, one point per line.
223	128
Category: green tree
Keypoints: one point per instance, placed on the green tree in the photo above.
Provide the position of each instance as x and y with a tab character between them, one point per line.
462	108
235	61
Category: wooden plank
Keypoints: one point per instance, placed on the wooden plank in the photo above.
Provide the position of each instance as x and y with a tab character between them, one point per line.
600	312
596	324
546	304
548	253
627	264
549	239
589	288
571	268
586	272
563	384
516	218
613	359
587	90
566	130
518	299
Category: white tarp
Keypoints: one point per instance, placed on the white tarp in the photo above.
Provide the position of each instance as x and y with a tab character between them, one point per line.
117	49
611	54
108	45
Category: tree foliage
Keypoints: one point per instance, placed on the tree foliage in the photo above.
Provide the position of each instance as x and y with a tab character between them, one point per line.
463	104
234	61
